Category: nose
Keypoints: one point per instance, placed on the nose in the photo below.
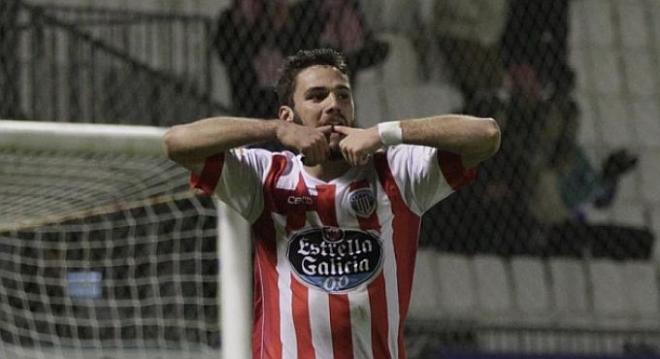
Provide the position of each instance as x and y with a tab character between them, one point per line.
332	104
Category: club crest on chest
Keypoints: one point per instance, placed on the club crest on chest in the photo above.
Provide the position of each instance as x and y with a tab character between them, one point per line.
362	202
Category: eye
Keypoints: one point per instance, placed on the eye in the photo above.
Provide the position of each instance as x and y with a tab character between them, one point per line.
316	96
344	95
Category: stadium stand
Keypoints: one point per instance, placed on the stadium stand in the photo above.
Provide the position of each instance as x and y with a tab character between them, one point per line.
485	302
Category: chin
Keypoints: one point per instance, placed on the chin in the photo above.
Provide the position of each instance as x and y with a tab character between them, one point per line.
335	155
334	139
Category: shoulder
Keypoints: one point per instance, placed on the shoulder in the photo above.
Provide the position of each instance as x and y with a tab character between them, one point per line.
286	155
268	159
414	152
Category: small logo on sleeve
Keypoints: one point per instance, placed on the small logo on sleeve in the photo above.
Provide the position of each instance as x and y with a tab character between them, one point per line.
334	259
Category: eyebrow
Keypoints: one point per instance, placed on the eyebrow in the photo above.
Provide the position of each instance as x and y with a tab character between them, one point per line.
323	88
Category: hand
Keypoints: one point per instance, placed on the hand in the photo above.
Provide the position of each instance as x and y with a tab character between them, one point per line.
359	144
310	142
618	163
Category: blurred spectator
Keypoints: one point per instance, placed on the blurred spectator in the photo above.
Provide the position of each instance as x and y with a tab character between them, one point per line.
252	39
340	25
492	215
534	47
468	33
529	198
530	195
567	182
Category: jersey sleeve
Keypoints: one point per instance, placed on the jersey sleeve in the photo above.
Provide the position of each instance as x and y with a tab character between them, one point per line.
236	178
426	175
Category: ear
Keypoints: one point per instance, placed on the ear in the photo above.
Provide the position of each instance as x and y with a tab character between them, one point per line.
285	113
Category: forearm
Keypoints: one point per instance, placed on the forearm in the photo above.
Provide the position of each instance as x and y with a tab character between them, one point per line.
196	141
474	138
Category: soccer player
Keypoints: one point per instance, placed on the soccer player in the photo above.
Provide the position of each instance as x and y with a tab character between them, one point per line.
335	220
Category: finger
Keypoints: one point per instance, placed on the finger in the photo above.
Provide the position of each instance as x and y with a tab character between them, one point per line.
312	152
319	150
344	152
325	129
364	159
353	158
344	130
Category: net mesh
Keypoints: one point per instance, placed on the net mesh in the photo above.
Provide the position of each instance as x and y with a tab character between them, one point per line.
104	251
552	249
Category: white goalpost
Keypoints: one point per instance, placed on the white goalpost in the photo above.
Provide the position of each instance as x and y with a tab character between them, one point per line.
105	253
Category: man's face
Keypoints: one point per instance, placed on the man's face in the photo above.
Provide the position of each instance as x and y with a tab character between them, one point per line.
323	97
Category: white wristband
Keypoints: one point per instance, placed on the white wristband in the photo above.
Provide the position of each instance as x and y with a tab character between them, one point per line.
390	133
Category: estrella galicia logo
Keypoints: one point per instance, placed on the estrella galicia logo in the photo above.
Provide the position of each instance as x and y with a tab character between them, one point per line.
363	202
335	259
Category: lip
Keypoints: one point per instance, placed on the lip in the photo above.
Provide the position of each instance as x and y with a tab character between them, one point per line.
334	120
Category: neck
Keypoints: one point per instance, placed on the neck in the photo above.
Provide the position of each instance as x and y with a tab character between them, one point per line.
329	170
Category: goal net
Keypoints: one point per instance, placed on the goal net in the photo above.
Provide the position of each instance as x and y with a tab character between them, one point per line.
104	252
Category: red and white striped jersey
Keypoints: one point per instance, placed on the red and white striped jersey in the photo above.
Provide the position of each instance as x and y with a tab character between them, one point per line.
333	261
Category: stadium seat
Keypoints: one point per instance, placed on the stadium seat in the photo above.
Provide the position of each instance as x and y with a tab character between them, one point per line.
616	132
222	90
576	37
206	7
425	300
638	65
588	119
390	15
641	281
605	71
647	126
629	190
457	290
422	100
650	167
633	14
628	213
600	28
655	228
369	97
493	289
532	295
568	286
400	67
611	304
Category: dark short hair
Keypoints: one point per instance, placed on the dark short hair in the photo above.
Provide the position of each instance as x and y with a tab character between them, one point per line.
286	85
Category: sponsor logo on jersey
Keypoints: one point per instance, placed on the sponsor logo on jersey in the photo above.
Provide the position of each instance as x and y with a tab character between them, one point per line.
334	259
363	202
296	200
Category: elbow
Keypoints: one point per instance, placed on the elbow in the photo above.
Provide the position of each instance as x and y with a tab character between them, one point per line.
173	143
492	136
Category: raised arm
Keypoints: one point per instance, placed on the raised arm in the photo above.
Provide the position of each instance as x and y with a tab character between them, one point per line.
474	138
190	144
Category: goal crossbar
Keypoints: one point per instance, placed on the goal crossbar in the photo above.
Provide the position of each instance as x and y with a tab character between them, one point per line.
127	140
81	137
